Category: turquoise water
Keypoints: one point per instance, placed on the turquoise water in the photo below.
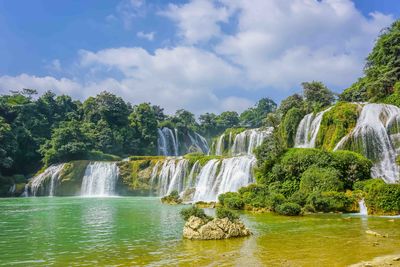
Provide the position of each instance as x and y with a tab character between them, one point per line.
139	231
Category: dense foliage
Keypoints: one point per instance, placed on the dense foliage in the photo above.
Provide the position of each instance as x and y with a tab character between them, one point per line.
382	70
194	211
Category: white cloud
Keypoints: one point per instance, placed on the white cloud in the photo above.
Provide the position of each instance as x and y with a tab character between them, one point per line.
42	84
282	43
128	11
271	46
198	20
149	36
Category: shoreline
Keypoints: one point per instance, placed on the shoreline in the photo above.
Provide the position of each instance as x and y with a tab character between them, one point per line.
386	260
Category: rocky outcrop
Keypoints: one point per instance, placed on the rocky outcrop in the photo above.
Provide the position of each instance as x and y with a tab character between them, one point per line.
200	229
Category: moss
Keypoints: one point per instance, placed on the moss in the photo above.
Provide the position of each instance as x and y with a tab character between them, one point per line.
289	124
71	178
201	158
136	175
337	123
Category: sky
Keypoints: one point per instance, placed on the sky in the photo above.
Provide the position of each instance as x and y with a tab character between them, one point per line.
200	55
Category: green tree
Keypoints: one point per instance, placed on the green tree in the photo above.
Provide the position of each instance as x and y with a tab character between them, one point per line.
144	120
317	95
254	116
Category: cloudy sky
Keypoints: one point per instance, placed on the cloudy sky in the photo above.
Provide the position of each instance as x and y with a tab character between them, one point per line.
201	55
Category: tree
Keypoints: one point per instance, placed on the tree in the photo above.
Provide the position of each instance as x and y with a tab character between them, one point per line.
184	119
317	95
68	142
227	119
381	71
144	120
208	123
254	116
293	101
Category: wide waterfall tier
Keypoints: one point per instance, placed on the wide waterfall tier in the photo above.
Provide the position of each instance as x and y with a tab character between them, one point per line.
174	143
44	184
377	136
307	130
100	179
202	183
242	143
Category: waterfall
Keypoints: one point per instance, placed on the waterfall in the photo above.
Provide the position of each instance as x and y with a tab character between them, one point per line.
375	136
167	142
307	130
363	208
39	182
192	179
172	175
246	141
202	143
219	149
228	175
26	192
100	179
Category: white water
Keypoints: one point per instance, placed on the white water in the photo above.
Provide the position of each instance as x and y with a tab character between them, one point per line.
372	137
39	181
307	130
363	208
244	142
214	178
218	177
100	179
168	142
220	145
169	145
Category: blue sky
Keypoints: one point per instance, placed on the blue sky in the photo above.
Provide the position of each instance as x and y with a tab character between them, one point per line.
202	55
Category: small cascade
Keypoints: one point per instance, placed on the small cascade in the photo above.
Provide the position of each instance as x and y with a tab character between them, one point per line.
192	175
307	130
219	149
228	175
246	141
12	188
363	208
375	136
26	191
168	142
40	182
100	179
172	175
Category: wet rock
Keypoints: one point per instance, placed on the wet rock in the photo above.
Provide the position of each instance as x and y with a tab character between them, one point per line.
370	232
199	229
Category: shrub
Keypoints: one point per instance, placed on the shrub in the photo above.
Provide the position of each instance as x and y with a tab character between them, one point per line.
330	201
289	209
299	198
193	211
352	167
222	212
274	200
383	198
320	179
289	125
172	198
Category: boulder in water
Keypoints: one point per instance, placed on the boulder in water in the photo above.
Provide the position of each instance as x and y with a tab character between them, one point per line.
201	229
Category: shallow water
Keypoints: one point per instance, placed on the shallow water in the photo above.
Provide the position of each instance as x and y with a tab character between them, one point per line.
138	231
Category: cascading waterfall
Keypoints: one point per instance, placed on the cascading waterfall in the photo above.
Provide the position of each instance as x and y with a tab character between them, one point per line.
375	135
168	142
220	145
244	142
363	208
307	130
100	179
218	177
39	182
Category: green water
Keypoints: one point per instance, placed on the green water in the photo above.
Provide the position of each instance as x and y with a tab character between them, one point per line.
140	231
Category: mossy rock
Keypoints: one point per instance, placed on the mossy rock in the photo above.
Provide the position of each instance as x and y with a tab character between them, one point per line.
336	124
71	178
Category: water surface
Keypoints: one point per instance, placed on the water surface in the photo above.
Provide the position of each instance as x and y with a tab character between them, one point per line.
140	231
